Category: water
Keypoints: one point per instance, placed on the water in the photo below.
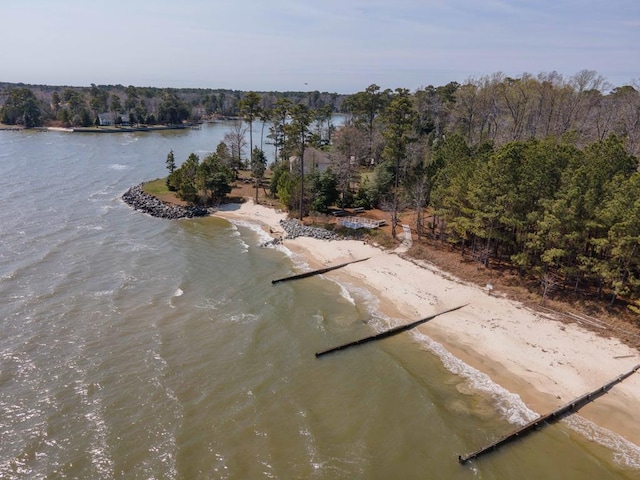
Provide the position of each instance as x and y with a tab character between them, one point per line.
133	347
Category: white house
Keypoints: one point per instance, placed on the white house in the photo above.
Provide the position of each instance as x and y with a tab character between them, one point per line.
109	118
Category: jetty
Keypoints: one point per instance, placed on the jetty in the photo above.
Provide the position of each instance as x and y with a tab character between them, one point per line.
388	333
316	272
554	416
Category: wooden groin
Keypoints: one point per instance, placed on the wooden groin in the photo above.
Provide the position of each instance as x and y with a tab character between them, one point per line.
316	272
387	333
552	417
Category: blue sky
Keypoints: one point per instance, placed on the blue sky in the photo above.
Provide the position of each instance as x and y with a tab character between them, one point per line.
328	45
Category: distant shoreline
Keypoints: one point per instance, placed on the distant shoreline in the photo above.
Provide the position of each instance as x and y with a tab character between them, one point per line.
4	127
120	129
154	128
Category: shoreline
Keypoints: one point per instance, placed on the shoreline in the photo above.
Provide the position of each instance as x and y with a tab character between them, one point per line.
546	362
103	129
108	129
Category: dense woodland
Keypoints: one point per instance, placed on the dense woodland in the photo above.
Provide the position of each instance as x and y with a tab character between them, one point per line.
537	172
540	173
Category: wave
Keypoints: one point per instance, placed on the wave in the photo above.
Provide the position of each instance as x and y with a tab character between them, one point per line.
264	238
240	318
625	453
346	294
129	139
95	228
118	166
508	404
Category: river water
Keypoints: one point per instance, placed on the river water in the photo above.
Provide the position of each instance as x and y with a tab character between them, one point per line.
134	347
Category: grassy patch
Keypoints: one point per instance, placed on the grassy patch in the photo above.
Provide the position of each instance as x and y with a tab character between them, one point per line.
381	238
158	188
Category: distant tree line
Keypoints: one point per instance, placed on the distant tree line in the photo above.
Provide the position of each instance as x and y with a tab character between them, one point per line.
37	105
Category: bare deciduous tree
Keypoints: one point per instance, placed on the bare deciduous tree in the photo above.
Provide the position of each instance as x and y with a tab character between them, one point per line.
236	140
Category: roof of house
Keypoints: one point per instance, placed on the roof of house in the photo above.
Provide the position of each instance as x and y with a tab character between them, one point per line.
314	159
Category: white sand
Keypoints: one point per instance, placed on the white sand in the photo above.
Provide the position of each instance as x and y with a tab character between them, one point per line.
545	362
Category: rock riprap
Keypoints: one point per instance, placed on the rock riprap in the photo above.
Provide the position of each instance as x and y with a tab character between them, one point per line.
293	229
137	199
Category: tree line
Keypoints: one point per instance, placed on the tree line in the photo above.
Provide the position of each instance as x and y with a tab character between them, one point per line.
540	173
38	105
569	215
545	179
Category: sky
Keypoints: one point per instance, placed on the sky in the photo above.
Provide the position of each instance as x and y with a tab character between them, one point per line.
339	46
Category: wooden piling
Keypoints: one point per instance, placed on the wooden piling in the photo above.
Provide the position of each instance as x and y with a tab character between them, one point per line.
316	272
388	333
554	416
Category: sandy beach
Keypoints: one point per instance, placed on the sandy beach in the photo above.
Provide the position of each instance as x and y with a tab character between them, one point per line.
547	363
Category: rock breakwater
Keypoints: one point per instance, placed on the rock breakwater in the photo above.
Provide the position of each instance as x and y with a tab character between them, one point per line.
137	199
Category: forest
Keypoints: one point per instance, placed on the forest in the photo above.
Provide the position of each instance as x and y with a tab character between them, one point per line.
539	172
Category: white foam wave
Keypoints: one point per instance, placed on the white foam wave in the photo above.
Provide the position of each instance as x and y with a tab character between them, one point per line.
240	318
118	166
208	304
508	404
98	450
347	295
134	247
102	293
178	293
100	193
95	228
221	468
625	453
344	291
263	237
